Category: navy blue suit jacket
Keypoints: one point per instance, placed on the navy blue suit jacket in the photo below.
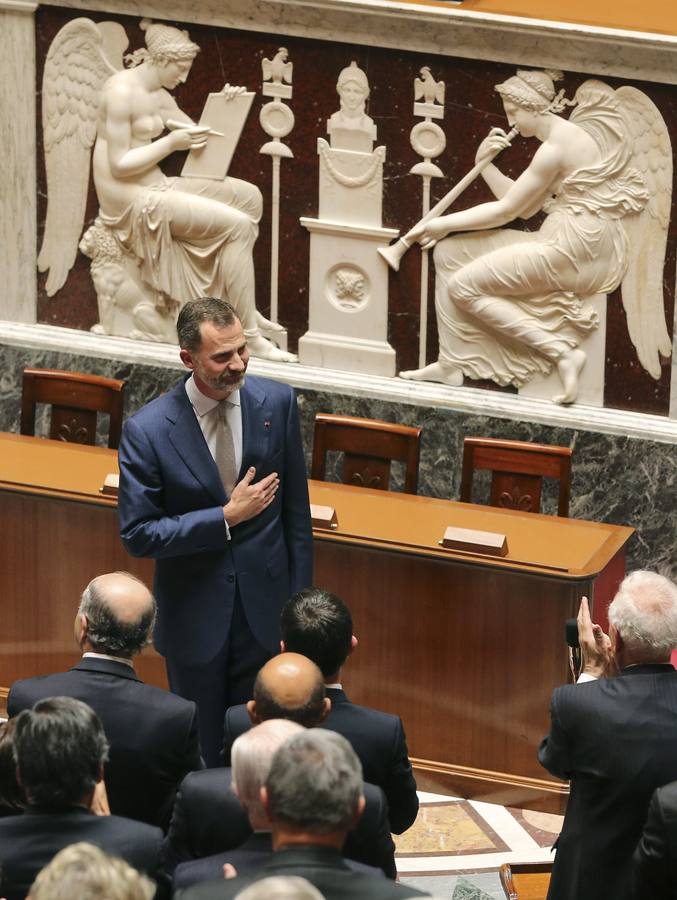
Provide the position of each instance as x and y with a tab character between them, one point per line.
616	740
655	859
208	820
377	738
171	509
153	734
29	841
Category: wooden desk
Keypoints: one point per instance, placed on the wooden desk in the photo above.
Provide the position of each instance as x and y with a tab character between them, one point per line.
466	649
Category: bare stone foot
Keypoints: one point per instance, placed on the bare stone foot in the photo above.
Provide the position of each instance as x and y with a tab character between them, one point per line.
569	367
263	349
266	324
435	372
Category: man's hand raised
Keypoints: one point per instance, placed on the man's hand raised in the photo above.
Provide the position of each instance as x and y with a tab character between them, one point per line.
248	499
596	653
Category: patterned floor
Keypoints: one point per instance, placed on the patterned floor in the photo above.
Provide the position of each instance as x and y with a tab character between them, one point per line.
456	845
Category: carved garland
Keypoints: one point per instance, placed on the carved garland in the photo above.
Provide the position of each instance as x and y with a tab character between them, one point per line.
347	180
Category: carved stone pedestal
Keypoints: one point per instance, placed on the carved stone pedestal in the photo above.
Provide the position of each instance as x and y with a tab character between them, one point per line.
348	314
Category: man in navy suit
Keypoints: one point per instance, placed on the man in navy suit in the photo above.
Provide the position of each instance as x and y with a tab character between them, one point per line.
317	624
615	738
213	487
153	735
60	748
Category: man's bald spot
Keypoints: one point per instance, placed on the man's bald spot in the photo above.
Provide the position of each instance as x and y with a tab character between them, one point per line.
290	679
126	597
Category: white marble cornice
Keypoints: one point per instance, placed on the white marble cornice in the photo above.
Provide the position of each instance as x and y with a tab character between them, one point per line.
468	400
447	30
21	6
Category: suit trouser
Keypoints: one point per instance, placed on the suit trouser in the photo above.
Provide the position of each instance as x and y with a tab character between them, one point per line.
225	681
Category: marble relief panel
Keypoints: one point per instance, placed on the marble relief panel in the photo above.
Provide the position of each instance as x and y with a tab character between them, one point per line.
616	479
471	110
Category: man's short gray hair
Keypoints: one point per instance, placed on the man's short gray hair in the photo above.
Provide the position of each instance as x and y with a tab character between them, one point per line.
83	870
644	612
106	632
280	887
252	754
315	783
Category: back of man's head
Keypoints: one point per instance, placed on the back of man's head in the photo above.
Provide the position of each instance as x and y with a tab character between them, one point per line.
251	756
315	784
318	624
120	613
644	613
289	686
60	749
82	871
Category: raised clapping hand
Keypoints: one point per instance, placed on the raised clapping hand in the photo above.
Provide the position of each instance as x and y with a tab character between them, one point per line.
596	651
248	500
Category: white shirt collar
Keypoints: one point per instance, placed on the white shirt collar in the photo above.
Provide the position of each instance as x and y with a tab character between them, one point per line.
202	404
120	659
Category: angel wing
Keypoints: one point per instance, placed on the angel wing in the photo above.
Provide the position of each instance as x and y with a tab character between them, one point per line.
81	57
647	231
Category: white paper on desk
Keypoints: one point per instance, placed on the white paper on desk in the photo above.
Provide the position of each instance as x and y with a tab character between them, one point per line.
228	117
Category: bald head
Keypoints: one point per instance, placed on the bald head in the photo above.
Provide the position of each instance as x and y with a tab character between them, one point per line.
116	615
289	686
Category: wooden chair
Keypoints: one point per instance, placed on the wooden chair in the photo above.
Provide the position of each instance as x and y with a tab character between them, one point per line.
518	469
525	881
75	399
369	446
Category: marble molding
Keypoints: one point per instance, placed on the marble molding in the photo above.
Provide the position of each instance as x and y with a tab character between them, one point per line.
617	477
436	29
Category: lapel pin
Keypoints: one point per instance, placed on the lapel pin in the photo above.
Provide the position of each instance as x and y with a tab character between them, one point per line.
266	424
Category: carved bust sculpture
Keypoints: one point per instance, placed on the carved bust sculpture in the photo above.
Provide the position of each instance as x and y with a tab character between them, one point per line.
353	90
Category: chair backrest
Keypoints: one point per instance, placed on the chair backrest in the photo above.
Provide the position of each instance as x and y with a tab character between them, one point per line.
369	446
518	469
525	881
75	398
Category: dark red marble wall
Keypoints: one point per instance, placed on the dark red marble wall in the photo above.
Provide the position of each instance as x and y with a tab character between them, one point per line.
472	108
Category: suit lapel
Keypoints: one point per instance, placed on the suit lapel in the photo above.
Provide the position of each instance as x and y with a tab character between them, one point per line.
187	439
256	426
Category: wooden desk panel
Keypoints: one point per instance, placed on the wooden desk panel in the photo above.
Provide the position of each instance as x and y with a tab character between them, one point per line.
466	649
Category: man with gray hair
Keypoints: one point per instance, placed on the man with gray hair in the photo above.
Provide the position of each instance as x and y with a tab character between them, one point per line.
153	735
312	797
614	736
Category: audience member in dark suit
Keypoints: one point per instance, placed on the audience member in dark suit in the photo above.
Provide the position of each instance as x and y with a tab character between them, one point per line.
153	735
12	798
312	796
84	871
252	756
655	859
208	819
615	738
60	749
318	625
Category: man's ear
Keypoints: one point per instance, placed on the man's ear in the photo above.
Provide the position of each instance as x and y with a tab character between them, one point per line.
326	708
265	803
251	712
283	647
361	803
187	359
353	644
616	640
81	628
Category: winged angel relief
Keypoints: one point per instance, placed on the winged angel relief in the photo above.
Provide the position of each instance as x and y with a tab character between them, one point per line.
511	303
157	241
